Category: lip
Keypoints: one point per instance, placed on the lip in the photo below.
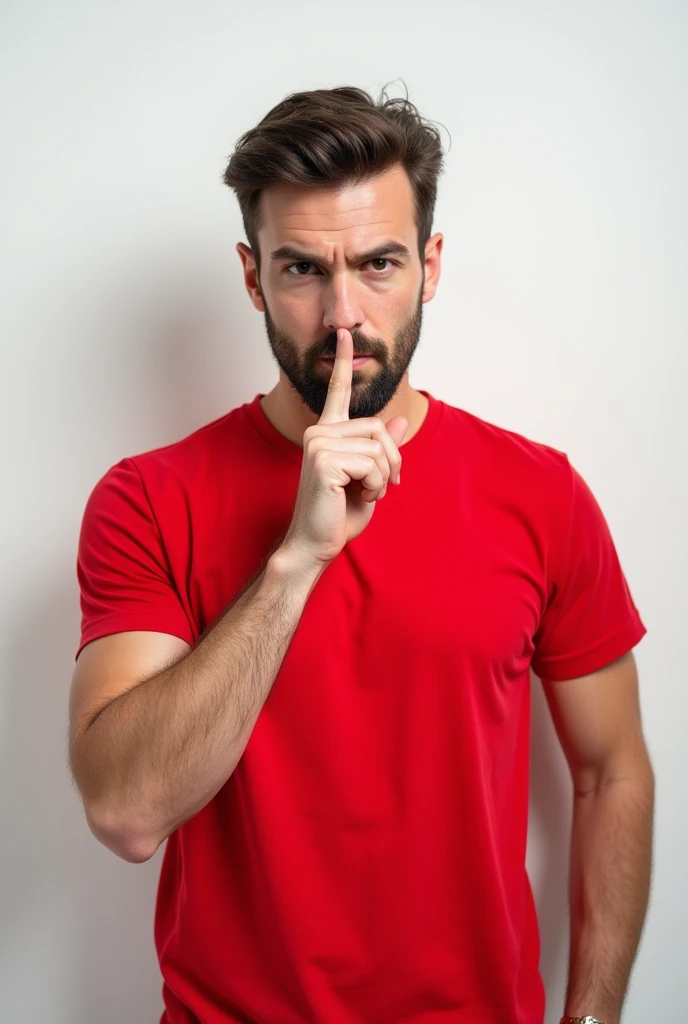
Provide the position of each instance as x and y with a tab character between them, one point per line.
363	358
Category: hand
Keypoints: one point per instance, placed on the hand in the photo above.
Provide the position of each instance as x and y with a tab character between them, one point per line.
346	467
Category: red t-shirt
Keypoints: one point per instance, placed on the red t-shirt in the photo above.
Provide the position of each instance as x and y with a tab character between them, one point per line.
365	862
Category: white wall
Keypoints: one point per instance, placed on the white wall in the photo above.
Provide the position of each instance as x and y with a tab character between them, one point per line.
561	313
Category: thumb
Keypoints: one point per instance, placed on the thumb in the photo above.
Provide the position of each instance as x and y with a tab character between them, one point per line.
397	428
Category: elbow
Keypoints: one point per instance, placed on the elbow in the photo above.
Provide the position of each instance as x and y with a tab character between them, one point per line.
116	826
129	841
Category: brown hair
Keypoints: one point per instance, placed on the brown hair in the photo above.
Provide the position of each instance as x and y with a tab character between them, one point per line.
324	138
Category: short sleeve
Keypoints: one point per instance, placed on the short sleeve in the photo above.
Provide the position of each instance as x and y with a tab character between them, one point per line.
590	619
122	569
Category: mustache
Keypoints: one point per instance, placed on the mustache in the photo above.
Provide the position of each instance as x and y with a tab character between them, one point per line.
362	345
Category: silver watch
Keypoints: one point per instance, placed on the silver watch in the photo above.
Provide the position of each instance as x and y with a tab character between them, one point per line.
580	1020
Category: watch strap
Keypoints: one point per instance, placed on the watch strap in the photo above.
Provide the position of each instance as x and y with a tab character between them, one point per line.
580	1020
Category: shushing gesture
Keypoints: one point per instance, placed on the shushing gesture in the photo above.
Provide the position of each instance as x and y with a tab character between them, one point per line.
346	467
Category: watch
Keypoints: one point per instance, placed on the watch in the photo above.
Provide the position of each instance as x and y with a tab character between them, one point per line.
580	1020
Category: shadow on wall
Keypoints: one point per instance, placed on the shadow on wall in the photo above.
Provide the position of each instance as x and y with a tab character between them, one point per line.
551	807
177	343
78	919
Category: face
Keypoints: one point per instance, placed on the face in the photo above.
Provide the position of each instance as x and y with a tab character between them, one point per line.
346	258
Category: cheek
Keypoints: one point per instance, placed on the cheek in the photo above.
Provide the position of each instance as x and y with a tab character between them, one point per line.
391	310
291	308
299	319
300	315
395	298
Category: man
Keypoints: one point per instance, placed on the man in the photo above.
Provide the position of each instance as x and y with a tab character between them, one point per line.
312	676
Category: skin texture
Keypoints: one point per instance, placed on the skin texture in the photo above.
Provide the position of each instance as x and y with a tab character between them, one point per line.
379	301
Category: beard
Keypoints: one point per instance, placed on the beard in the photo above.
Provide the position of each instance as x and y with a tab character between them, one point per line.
371	390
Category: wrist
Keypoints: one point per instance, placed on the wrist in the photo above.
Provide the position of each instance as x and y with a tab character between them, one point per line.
289	561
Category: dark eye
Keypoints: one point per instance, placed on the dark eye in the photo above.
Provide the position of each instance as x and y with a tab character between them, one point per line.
378	260
301	265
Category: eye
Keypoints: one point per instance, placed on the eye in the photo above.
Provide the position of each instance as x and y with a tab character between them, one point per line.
381	259
381	265
301	264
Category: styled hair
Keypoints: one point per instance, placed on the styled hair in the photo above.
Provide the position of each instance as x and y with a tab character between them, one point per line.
325	138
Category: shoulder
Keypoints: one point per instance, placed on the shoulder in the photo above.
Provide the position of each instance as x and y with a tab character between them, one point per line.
510	456
200	445
193	459
165	476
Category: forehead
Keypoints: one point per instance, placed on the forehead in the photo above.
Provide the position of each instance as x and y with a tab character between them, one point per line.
382	204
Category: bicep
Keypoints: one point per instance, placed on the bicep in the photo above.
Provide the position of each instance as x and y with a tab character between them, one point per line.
112	665
598	721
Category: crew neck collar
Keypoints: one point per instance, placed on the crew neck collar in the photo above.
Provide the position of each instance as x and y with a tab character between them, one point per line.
294	452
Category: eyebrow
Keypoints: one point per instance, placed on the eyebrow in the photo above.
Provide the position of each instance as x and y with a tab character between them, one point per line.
286	252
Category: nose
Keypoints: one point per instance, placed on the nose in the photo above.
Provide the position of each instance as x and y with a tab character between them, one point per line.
342	304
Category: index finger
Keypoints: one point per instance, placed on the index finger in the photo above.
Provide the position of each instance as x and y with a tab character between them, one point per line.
338	397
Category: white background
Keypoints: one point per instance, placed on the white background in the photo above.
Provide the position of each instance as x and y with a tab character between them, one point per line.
561	314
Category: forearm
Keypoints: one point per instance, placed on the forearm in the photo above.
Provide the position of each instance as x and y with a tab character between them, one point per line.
158	753
611	855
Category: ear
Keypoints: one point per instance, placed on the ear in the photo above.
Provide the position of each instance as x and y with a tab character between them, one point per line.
433	259
251	281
